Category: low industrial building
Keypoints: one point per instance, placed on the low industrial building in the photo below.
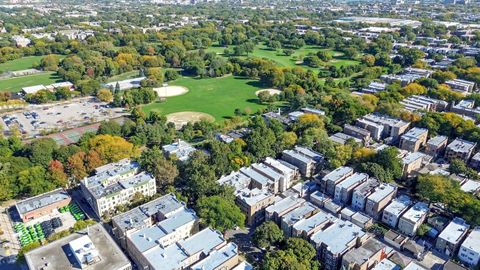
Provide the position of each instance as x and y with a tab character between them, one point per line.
43	204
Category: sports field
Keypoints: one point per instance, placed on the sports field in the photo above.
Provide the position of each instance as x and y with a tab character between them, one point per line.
218	97
291	61
22	63
16	84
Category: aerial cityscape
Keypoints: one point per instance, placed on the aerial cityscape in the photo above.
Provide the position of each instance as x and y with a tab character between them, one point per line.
240	134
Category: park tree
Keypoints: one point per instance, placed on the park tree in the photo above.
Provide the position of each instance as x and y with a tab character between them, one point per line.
50	62
219	213
267	234
110	127
40	152
112	148
105	95
153	161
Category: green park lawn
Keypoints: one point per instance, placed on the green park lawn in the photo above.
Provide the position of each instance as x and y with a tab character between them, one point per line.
21	63
291	61
124	76
218	97
16	84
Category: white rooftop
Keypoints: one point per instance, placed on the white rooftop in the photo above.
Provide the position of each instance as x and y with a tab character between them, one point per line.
454	230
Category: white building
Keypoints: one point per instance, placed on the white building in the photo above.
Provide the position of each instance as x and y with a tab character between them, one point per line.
469	252
115	184
413	218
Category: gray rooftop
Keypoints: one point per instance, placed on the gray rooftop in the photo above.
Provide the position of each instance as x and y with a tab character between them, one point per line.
338	173
386	264
411	157
416	212
398	205
203	241
414	266
298	213
352	180
364	252
462	146
253	196
454	231
312	222
437	140
41	201
381	192
472	241
284	204
338	236
254	175
217	257
166	205
414	134
59	257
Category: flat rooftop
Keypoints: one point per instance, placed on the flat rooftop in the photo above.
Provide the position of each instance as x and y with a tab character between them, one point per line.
217	257
414	134
417	211
352	180
284	204
41	201
472	241
58	255
454	231
461	146
314	221
398	205
381	192
298	213
338	173
437	140
338	237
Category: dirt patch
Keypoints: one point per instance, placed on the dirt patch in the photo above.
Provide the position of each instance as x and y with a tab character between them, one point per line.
271	91
170	91
182	118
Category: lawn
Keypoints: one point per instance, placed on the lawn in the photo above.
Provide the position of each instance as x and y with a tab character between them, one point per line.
16	84
218	97
21	63
291	61
124	76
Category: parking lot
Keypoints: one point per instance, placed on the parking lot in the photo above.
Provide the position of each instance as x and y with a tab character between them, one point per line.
35	120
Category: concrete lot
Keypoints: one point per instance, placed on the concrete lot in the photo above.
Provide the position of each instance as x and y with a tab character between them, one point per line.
35	119
58	253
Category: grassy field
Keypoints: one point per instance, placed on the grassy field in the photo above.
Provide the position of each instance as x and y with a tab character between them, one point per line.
291	61
218	97
124	76
16	84
22	63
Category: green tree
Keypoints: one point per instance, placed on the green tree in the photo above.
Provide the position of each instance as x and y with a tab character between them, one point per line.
267	234
219	213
